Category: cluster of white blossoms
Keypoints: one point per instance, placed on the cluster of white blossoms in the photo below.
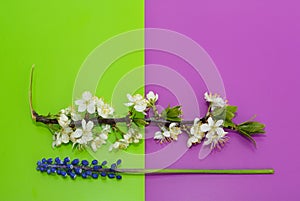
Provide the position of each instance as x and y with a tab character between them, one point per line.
133	135
84	134
139	103
215	100
78	124
168	134
212	131
90	104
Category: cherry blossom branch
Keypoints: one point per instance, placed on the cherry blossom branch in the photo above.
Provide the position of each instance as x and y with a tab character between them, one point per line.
111	121
77	123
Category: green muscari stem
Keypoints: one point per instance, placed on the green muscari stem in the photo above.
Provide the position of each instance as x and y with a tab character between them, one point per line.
196	171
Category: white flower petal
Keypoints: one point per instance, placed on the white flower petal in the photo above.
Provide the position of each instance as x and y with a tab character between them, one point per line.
158	135
130	98
87	95
210	134
207	97
79	102
205	127
150	95
116	145
172	125
128	104
210	122
81	108
196	120
65	138
167	134
89	126
219	123
140	108
83	124
103	136
77	133
91	108
220	131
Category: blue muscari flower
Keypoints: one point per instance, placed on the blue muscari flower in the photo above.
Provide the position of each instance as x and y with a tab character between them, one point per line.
63	173
74	168
70	166
49	161
88	172
95	176
97	167
111	176
119	162
72	175
53	170
78	170
94	162
66	160
84	162
57	160
84	175
113	166
75	161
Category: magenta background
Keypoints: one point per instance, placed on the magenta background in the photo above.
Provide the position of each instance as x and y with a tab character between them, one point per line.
255	45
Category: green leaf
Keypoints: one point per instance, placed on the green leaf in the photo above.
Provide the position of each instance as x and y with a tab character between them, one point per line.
172	113
139	122
177	119
252	127
229	123
246	135
231	108
226	113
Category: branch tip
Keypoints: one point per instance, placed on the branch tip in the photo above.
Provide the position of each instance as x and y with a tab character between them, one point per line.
33	113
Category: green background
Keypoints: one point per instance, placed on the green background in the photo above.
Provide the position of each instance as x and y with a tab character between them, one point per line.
57	36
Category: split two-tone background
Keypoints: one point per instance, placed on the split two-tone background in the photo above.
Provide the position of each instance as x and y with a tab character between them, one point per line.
254	44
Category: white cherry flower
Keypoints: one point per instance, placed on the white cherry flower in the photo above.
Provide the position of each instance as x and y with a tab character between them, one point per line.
174	131
98	142
66	111
104	110
63	136
196	133
137	101
133	136
63	120
215	133
162	134
87	103
75	116
83	135
151	97
101	139
215	100
120	144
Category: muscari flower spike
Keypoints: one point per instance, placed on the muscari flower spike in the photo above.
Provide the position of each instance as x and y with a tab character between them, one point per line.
75	168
